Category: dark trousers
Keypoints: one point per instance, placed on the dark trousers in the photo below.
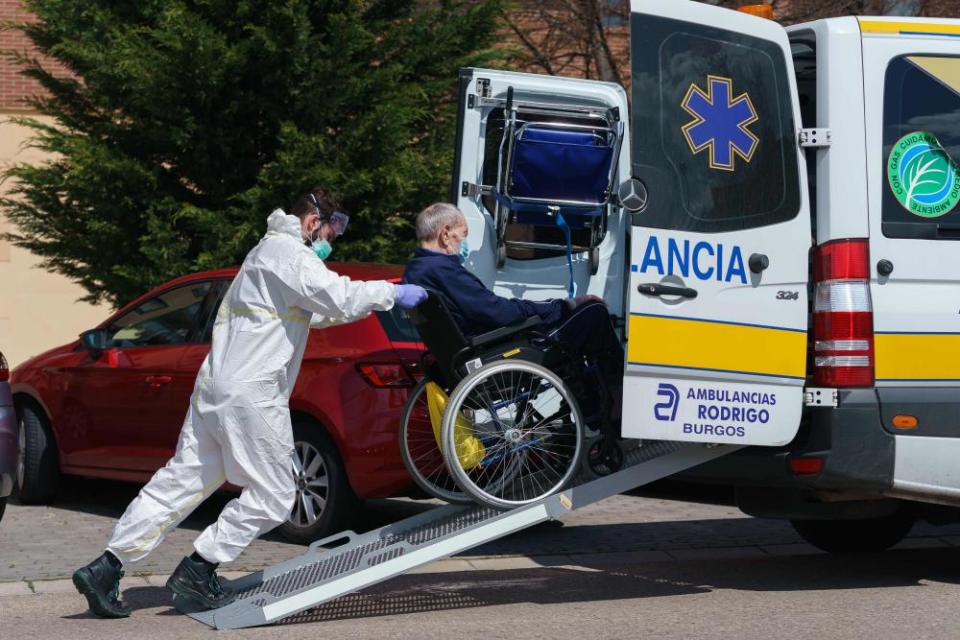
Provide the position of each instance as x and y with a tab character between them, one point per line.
588	331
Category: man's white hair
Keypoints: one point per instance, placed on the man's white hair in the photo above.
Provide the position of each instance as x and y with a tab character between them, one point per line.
434	218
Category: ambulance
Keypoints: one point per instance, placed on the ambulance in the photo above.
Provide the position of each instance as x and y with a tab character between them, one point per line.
772	218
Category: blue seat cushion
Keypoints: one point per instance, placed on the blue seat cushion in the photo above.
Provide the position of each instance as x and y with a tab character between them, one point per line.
551	164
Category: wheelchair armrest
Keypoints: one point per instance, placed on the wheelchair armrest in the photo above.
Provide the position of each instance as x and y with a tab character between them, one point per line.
505	332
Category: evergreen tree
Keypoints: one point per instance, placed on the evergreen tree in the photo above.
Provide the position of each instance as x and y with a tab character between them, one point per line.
185	122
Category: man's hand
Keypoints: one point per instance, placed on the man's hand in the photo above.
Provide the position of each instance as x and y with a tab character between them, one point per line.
410	295
579	301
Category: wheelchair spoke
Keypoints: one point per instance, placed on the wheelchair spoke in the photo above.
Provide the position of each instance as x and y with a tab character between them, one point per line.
522	474
488	406
529	406
540	426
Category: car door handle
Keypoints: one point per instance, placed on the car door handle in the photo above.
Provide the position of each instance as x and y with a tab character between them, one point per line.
657	289
158	381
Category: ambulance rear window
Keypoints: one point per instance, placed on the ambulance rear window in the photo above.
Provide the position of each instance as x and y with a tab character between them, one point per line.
714	136
921	147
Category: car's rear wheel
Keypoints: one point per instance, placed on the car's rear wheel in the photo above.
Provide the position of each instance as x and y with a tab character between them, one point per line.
37	471
856	536
3	506
325	502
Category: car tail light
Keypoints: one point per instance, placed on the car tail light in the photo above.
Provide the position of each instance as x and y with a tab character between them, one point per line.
4	369
842	315
806	466
384	375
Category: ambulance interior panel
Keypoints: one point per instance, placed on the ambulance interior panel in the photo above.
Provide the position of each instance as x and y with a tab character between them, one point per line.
540	158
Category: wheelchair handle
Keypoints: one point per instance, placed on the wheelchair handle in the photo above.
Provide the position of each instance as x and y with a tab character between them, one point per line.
657	289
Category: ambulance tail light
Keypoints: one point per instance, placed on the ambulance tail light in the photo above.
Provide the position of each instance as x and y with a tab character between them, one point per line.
806	466
842	315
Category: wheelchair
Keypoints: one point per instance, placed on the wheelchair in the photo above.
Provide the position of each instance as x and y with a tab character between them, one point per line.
496	418
510	416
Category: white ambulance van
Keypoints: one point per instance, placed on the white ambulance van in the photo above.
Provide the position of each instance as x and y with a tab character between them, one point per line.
781	254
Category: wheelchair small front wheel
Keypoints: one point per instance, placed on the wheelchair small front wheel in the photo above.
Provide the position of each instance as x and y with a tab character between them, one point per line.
421	451
512	434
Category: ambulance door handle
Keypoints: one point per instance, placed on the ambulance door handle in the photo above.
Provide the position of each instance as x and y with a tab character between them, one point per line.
657	289
758	262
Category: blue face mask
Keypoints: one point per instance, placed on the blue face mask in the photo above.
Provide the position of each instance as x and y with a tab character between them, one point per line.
464	251
323	249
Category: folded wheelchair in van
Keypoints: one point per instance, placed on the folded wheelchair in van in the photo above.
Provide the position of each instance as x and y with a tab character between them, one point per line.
556	168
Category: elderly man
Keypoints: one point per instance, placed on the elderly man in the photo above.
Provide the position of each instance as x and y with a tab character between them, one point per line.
582	324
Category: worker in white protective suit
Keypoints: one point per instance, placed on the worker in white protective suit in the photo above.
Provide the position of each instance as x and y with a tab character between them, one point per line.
237	428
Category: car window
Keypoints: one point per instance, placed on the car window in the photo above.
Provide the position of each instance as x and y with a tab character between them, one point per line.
714	136
163	320
398	326
921	145
208	312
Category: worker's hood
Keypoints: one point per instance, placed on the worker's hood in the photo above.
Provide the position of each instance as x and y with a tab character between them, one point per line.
283	223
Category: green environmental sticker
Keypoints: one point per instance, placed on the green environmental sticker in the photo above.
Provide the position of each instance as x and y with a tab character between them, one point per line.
922	176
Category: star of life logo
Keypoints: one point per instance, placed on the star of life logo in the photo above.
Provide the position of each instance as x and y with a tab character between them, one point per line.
721	123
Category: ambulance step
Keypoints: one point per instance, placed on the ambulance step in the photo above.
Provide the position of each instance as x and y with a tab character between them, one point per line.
359	561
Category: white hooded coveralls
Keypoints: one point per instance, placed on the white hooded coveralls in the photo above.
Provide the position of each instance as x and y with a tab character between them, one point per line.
238	427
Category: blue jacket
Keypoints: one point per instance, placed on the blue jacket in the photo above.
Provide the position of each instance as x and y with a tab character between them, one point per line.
474	308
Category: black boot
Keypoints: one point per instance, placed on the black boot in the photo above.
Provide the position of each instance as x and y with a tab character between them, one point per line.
99	582
197	581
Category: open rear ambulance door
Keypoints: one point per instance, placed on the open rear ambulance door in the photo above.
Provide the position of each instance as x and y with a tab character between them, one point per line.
521	254
717	341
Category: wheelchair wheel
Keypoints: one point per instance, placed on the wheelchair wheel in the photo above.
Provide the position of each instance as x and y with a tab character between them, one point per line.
421	453
512	434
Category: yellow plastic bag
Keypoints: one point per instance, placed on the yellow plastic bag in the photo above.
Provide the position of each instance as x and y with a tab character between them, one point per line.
470	451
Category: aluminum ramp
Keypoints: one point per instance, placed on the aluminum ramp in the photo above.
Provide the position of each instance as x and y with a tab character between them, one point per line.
320	574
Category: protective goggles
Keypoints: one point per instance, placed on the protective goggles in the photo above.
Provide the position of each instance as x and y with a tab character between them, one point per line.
338	222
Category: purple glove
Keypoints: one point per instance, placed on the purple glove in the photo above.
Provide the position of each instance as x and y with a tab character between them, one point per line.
410	295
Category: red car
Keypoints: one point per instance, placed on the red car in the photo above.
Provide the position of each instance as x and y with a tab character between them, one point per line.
117	413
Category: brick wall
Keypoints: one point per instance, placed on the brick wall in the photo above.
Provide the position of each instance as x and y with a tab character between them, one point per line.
13	86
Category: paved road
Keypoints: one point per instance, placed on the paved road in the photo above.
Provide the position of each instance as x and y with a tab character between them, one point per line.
42	543
901	594
38	543
647	565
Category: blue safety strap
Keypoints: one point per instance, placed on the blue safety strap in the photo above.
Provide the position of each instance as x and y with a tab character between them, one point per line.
567	235
509	203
